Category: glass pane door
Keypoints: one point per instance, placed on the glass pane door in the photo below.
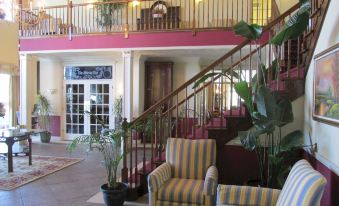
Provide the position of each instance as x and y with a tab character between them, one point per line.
99	104
75	98
90	96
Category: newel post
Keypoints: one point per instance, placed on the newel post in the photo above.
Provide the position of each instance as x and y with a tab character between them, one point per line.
69	20
124	170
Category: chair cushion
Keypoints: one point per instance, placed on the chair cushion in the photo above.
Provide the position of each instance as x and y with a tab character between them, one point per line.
304	186
190	159
182	190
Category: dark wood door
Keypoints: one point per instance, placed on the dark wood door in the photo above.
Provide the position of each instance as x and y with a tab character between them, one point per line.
158	82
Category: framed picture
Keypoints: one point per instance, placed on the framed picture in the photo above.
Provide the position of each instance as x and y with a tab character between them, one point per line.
326	86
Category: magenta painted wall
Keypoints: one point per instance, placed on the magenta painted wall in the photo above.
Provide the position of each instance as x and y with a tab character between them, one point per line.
331	194
135	40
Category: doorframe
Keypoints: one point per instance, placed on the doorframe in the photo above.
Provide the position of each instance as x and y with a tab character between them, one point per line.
112	93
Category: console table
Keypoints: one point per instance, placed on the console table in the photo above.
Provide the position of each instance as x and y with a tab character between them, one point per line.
10	137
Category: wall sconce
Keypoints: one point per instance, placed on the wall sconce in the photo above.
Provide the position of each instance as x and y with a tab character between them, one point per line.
51	91
135	3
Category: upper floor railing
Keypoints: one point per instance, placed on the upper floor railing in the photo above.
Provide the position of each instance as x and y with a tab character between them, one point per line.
124	16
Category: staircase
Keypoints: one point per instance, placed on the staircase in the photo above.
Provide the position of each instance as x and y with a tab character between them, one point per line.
214	110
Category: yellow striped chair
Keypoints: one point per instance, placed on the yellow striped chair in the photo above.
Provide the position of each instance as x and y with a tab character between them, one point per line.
189	175
304	187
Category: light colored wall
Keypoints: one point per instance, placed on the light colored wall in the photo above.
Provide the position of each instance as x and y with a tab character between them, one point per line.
284	5
9	50
324	134
51	77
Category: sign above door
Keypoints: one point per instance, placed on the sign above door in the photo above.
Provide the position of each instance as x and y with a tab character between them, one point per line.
87	72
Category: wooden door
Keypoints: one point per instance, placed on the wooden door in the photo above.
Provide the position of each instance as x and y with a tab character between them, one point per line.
158	82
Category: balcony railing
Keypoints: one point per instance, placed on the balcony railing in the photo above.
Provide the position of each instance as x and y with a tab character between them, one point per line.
141	16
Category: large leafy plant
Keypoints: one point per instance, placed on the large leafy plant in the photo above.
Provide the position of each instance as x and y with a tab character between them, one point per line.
108	142
269	112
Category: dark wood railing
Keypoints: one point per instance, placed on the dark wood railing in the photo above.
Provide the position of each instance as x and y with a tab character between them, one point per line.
187	112
124	16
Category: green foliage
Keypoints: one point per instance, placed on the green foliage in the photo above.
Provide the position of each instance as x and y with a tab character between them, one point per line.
108	142
295	26
108	13
244	92
333	111
251	32
229	74
270	114
43	110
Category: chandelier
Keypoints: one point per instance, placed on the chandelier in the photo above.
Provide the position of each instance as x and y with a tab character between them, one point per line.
30	16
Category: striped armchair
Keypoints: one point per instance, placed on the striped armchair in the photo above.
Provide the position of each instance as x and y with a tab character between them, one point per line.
189	175
304	187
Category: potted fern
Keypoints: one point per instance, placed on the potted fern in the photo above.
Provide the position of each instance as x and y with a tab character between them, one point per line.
108	142
43	109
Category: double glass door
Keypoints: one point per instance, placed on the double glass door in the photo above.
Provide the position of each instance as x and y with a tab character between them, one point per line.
83	97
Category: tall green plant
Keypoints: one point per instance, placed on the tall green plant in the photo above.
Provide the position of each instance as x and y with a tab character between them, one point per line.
108	142
43	111
270	112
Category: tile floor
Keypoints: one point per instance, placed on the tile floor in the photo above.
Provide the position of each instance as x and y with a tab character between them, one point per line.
72	186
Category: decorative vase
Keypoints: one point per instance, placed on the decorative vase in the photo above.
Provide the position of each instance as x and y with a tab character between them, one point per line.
114	197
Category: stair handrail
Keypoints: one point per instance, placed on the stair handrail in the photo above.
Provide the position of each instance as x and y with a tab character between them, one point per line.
212	65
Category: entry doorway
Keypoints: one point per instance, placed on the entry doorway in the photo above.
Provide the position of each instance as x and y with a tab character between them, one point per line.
91	96
158	79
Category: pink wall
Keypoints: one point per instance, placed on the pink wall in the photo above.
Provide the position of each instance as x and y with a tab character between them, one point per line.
135	40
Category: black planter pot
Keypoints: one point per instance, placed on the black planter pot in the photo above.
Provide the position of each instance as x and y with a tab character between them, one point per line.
114	197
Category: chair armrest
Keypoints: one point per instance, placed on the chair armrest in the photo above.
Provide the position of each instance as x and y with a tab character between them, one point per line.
159	176
246	195
211	181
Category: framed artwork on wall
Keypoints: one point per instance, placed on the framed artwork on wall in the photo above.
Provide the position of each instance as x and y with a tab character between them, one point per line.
326	86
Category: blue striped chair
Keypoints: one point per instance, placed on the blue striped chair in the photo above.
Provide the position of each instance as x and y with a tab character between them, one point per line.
189	175
304	187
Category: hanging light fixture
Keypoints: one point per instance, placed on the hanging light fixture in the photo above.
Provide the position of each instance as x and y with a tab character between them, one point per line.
32	16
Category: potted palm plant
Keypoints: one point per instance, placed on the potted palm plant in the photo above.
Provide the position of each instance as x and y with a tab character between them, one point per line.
43	109
108	142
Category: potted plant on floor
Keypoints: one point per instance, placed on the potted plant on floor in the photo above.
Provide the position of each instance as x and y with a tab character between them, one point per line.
43	110
108	142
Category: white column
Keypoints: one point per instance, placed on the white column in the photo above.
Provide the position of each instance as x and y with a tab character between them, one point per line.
127	109
25	114
27	89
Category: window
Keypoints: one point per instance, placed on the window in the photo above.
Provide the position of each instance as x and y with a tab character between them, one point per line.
6	10
4	98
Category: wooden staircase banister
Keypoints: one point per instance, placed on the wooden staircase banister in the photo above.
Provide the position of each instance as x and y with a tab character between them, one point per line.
211	66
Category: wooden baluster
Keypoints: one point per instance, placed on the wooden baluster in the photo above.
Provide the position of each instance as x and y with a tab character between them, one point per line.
289	62
131	159
222	96
152	143
231	92
298	56
194	110
136	161
239	79
204	110
186	117
124	170
144	153
177	116
194	26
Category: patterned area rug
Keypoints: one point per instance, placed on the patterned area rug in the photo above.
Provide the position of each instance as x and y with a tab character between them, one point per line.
23	173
